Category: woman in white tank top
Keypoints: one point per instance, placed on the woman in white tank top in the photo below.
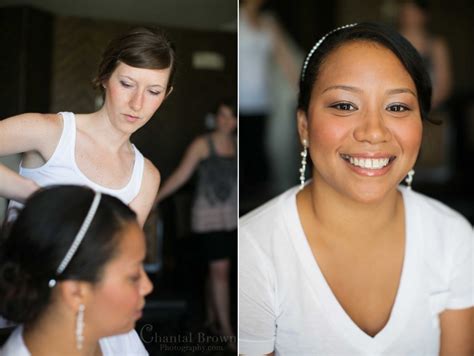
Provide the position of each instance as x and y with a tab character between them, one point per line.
135	76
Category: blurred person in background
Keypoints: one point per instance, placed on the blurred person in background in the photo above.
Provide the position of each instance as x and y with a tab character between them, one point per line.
435	161
414	26
262	42
214	211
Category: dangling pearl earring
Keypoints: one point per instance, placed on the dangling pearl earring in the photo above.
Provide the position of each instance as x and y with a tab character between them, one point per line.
80	327
409	178
304	154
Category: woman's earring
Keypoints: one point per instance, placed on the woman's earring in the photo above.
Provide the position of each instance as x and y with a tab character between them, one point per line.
80	327
304	154
409	178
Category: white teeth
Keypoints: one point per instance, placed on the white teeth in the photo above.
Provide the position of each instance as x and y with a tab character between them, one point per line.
369	163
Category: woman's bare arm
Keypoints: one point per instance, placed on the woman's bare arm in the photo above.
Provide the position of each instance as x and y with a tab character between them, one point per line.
195	153
143	202
457	332
26	133
15	187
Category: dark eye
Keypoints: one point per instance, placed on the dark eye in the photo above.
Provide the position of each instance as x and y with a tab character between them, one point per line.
154	92
135	278
344	107
398	108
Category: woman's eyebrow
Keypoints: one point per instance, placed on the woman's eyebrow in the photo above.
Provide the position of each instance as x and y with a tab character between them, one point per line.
400	91
343	87
358	90
133	80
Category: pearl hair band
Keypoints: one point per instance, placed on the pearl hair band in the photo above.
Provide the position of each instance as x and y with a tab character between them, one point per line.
315	47
78	239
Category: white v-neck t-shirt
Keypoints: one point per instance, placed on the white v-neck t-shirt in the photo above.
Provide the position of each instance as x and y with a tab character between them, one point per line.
287	306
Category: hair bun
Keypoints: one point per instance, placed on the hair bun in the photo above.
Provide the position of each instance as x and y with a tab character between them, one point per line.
22	297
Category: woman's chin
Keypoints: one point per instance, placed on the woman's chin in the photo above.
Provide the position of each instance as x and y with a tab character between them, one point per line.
374	196
369	193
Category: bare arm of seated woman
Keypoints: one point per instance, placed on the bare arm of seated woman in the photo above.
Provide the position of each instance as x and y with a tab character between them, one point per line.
457	332
143	202
32	134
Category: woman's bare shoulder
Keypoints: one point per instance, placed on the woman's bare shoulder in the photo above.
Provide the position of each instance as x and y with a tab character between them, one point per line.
31	125
38	118
151	171
200	146
30	132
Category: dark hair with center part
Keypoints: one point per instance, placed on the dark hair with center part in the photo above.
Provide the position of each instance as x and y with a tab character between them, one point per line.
40	238
227	102
423	5
379	34
142	47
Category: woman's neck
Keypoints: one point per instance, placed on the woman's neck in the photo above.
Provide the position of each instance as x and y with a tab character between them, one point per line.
224	143
52	336
99	126
341	217
223	136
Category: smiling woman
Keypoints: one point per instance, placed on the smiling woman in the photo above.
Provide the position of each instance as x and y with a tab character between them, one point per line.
352	263
374	117
135	75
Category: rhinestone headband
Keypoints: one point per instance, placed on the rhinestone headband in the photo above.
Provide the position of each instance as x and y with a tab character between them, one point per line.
78	239
315	47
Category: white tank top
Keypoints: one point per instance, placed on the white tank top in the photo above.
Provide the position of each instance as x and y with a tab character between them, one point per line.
61	168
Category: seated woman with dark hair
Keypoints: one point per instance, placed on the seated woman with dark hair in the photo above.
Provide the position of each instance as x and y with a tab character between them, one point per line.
71	273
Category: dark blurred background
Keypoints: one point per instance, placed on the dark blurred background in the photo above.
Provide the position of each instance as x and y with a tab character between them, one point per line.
443	170
50	52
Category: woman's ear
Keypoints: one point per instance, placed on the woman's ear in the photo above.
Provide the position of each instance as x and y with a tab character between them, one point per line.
302	125
169	92
74	293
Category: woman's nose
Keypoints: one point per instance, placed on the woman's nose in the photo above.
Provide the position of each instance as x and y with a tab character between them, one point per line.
147	286
136	101
372	129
